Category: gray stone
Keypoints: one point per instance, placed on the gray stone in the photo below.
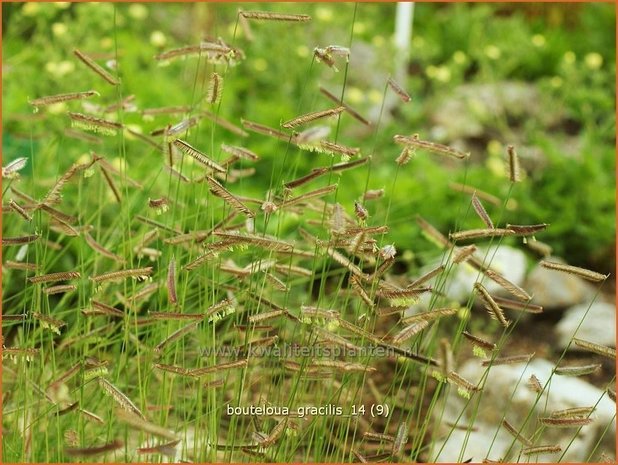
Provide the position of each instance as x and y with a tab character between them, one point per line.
555	289
507	395
471	108
508	261
598	325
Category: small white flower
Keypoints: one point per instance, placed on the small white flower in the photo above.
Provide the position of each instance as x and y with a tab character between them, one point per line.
388	251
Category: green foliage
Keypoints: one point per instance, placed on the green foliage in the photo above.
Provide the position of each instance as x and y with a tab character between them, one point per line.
561	121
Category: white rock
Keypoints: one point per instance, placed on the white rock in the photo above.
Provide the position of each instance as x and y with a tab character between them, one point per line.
508	261
556	289
598	325
507	395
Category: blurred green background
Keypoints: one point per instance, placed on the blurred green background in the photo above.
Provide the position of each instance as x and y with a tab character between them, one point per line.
481	76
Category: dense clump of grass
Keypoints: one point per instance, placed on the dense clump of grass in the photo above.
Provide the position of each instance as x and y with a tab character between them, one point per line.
185	283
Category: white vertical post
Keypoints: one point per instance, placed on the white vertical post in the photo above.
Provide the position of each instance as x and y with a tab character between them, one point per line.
403	36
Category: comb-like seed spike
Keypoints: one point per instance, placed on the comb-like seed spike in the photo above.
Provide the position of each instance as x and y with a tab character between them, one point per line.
513	164
516	434
509	286
176	335
200	157
429	315
580	370
552	449
217	189
171	282
96	67
565	422
410	331
477	341
596	348
481	233
426	277
197	372
349	109
215	89
117	275
92	123
494	309
51	99
581	272
121	399
239	152
20	240
402	94
527	230
102	250
457	379
94	450
309	117
111	184
19	210
11	170
60	289
52	277
140	424
270	16
481	212
414	141
513	359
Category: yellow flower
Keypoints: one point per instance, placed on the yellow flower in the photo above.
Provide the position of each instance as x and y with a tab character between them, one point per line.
119	163
354	95
158	39
375	96
134	128
569	57
84	158
57	108
59	69
138	11
59	29
51	67
260	64
439	73
30	9
378	41
556	82
360	27
302	51
463	313
538	40
324	13
493	52
593	60
407	256
460	57
65	67
443	74
106	43
332	325
495	148
496	166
